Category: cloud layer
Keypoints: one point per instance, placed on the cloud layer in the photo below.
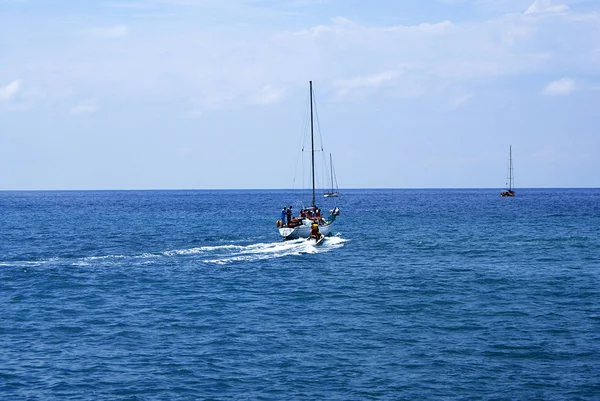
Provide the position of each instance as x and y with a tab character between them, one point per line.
230	65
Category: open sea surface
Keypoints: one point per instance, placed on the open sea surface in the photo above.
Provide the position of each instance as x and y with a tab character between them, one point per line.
185	295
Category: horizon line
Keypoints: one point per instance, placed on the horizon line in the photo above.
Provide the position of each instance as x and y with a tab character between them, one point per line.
281	189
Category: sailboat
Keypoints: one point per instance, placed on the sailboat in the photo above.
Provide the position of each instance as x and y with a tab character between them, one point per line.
300	227
509	191
333	193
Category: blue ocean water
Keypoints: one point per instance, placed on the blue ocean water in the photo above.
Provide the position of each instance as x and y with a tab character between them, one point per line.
177	295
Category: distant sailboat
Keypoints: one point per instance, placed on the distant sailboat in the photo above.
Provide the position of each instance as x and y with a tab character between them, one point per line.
509	191
333	193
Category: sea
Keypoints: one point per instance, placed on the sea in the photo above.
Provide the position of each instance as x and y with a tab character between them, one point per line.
446	294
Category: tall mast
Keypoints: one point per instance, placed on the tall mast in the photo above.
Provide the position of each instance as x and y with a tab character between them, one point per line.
312	146
510	168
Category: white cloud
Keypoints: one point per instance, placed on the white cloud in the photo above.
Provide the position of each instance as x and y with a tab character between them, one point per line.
344	26
460	100
316	31
561	87
345	86
115	31
85	106
133	5
211	101
268	95
9	91
545	6
229	100
339	20
439	27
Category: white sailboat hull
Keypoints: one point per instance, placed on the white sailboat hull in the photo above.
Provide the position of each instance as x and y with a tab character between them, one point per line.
303	231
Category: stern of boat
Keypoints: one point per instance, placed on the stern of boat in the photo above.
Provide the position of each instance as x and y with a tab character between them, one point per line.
287	232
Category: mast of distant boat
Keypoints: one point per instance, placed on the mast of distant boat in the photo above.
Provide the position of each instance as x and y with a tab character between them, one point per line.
312	146
510	169
331	167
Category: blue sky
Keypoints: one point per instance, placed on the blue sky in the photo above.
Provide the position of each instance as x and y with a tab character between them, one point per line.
212	94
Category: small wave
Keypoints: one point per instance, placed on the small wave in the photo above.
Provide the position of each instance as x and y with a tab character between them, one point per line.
105	260
199	250
114	259
29	263
335	241
105	257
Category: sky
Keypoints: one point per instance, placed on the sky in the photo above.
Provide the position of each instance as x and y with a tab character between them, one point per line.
207	94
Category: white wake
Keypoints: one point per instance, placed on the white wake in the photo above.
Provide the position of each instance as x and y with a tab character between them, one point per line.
215	254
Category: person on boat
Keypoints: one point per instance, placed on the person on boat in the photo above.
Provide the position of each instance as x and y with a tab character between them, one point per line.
314	232
283	216
289	214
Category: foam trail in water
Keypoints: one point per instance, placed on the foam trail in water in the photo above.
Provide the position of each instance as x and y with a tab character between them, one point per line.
202	249
272	250
217	254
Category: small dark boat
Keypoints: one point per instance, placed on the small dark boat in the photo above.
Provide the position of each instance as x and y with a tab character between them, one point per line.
509	191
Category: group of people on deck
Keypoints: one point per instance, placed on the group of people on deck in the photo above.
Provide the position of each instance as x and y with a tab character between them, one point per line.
287	216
